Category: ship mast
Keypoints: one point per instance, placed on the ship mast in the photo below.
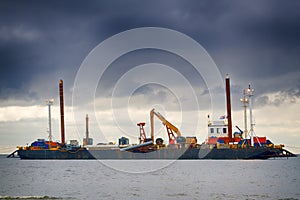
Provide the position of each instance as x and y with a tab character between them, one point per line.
249	94
244	102
49	103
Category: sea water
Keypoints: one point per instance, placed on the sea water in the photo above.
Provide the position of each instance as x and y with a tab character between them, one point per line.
129	179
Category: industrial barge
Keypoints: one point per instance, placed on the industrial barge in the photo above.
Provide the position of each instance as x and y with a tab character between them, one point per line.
220	143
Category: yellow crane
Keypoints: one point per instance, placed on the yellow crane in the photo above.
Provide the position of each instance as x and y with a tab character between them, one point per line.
170	127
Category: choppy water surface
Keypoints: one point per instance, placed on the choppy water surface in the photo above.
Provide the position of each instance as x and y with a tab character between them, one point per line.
191	179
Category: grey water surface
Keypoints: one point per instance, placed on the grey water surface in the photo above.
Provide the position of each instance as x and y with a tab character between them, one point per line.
129	179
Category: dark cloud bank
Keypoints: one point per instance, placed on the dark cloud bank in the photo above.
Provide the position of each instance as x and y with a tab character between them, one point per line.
43	41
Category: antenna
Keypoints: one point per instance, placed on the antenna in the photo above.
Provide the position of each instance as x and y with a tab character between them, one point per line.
245	102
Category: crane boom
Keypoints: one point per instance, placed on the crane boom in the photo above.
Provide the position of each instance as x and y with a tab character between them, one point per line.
170	127
142	137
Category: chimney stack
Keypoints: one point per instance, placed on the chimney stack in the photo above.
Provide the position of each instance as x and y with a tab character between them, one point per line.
228	102
62	118
87	129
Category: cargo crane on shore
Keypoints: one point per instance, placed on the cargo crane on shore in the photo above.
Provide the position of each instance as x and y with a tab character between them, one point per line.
169	126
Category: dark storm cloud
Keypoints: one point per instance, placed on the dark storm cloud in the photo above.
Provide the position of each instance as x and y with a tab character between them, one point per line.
253	41
38	41
261	41
136	58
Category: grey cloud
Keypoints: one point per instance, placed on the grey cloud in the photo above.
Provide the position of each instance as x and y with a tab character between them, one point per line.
253	41
279	98
154	94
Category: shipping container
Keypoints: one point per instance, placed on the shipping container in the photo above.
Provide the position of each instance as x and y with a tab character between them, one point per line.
52	144
237	139
191	140
224	140
212	140
180	139
262	140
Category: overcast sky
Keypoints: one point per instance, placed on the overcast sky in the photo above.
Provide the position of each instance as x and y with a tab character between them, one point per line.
255	42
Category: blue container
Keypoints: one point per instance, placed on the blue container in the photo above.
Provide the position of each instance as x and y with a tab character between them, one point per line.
221	141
